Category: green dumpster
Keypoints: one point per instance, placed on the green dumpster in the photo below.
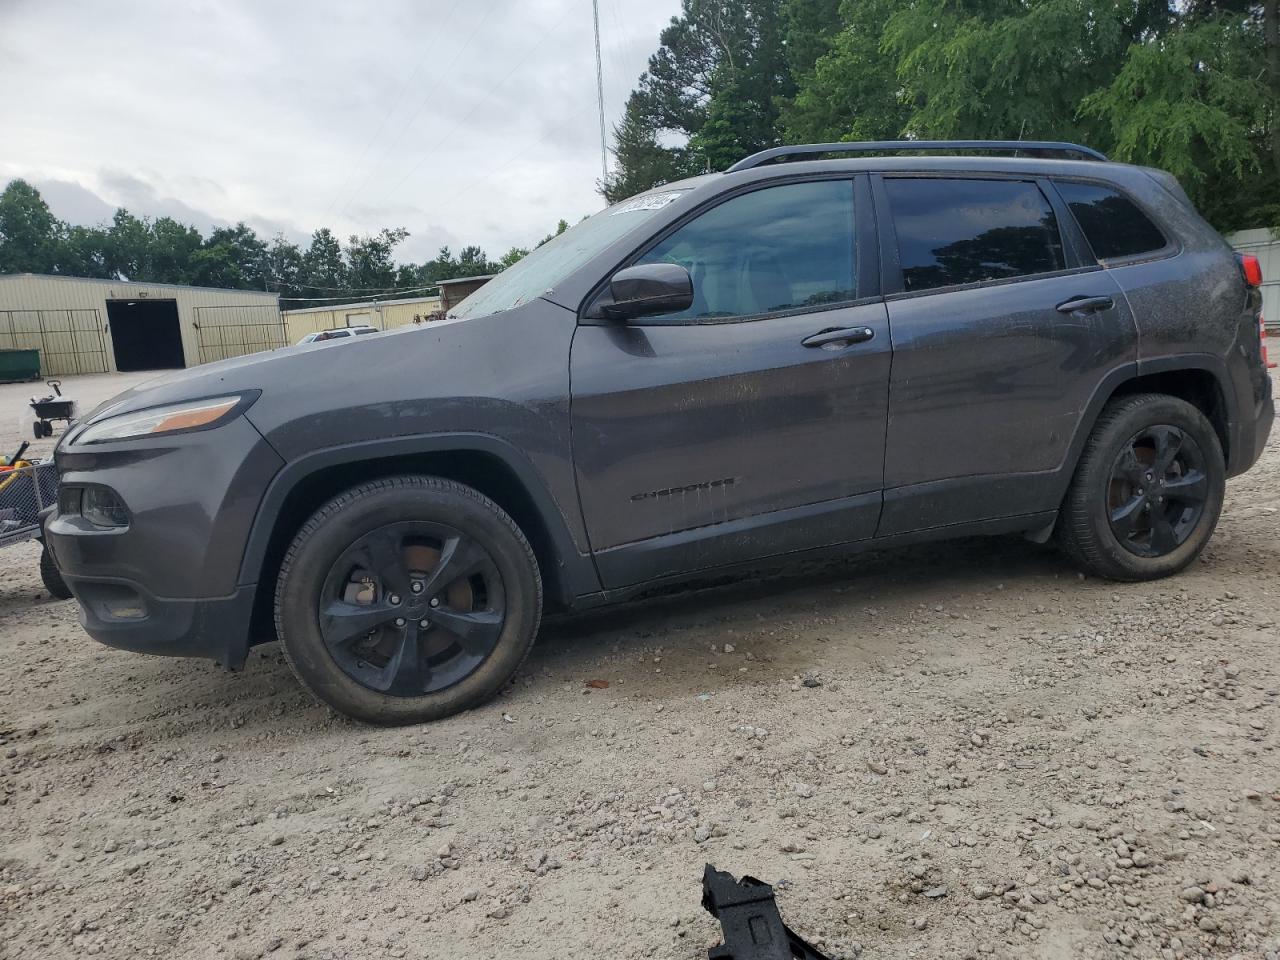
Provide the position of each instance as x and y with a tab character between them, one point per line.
19	365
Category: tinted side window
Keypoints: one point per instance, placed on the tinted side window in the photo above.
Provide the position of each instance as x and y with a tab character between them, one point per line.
966	231
1112	224
773	249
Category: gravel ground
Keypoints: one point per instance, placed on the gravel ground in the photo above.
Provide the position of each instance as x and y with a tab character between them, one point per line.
959	750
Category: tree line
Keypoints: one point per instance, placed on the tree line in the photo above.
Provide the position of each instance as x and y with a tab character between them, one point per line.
163	250
1190	86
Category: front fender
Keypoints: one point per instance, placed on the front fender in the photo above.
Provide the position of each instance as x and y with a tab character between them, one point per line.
577	572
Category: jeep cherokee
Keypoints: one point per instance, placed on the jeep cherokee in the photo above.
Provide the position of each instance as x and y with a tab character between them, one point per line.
828	346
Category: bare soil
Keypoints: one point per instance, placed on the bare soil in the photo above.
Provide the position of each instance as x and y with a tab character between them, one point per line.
957	750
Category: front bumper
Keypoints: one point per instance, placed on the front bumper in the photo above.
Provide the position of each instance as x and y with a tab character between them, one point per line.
166	582
125	615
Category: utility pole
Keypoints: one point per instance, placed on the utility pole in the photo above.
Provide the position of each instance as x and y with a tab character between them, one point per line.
604	143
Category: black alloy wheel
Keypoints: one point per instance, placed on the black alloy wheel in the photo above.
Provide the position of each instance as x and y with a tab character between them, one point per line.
1158	490
412	608
407	599
1147	490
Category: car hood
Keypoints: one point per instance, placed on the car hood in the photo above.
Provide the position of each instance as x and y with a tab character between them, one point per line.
268	371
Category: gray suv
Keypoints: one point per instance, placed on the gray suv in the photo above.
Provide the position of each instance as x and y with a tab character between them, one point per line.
837	346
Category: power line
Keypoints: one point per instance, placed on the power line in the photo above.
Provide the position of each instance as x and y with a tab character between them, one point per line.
517	156
442	141
421	106
427	52
604	143
318	286
434	286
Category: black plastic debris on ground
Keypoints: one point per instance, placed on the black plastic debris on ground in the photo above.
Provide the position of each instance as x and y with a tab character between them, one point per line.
748	914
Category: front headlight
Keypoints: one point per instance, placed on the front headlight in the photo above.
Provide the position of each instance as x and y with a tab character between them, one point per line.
171	418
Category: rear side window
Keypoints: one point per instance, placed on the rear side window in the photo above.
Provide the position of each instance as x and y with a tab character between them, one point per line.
1112	223
953	231
780	248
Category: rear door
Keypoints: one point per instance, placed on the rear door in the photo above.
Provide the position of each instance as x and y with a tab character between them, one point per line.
1003	326
751	424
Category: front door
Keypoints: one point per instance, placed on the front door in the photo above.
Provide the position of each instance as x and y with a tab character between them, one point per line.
1003	327
751	424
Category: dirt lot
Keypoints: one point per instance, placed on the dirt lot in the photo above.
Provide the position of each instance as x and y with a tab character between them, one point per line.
961	750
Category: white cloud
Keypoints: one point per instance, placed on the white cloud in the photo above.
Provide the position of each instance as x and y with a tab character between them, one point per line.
465	121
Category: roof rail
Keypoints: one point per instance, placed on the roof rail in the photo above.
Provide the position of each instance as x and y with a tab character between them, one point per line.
898	146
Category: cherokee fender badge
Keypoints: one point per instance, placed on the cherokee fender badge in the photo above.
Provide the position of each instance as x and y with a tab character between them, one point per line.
684	488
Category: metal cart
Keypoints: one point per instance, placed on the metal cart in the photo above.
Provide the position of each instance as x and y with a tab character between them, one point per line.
25	490
53	407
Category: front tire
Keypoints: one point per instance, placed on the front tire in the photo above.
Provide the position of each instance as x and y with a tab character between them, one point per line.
1147	492
407	599
52	577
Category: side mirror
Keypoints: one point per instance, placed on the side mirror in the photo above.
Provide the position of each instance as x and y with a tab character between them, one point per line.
649	288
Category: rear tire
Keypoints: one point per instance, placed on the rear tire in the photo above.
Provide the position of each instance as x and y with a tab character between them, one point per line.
1147	492
52	577
407	599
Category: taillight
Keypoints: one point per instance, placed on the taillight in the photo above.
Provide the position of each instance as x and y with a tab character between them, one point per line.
1251	267
1251	270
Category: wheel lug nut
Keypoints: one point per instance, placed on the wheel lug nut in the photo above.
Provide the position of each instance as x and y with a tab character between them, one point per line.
435	601
416	588
424	624
399	621
394	598
1140	493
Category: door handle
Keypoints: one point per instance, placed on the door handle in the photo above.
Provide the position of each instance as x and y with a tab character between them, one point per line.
837	338
1086	305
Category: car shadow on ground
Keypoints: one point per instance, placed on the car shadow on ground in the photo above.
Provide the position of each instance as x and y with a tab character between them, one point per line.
265	696
890	577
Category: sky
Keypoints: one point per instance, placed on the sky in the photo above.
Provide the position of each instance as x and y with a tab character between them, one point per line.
463	121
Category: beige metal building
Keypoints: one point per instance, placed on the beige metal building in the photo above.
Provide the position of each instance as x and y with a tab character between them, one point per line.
382	314
100	326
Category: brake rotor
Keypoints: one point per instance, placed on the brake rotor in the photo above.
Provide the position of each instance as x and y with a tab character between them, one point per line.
420	560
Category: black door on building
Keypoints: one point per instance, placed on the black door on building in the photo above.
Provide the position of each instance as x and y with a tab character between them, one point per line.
145	334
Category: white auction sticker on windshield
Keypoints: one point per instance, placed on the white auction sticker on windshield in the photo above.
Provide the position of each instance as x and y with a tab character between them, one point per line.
655	202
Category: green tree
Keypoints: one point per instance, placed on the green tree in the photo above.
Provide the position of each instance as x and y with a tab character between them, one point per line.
1190	86
371	260
809	26
285	267
172	245
997	69
1194	102
514	255
640	159
472	262
128	247
852	91
324	271
232	257
716	84
28	231
82	252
